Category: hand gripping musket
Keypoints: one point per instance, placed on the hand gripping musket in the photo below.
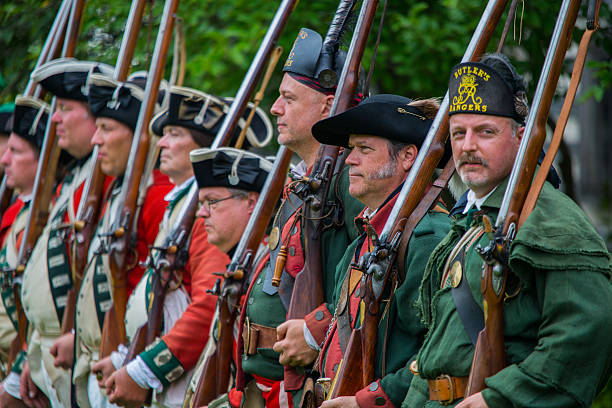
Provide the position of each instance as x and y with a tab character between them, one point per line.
489	356
134	183
90	203
216	373
51	49
359	356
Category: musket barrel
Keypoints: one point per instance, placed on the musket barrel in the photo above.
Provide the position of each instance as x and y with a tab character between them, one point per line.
250	80
541	100
476	47
128	42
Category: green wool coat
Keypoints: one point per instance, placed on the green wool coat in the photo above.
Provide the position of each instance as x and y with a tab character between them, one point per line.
557	329
268	310
405	330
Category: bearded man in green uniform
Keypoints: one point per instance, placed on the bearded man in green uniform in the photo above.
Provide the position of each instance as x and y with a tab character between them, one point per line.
384	134
558	297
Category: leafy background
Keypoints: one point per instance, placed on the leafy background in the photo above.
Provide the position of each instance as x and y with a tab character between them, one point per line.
421	42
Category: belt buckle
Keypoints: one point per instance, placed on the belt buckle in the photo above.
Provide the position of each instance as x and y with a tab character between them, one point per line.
451	388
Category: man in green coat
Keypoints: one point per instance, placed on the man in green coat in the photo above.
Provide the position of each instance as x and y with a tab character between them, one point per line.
558	298
384	134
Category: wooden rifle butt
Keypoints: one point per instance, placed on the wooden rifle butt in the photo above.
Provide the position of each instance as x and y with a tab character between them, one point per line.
69	312
111	338
347	383
307	292
206	389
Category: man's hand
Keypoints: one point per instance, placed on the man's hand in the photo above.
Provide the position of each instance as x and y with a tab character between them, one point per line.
122	390
292	346
341	402
102	370
8	401
473	401
63	351
31	395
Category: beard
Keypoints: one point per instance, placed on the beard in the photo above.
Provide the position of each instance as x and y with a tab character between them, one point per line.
468	179
386	171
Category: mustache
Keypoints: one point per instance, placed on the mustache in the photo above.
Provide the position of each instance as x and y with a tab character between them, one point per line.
468	158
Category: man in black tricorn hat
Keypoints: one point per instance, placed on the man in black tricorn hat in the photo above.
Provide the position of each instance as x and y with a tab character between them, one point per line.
384	133
20	161
558	295
116	106
48	277
6	112
267	364
190	122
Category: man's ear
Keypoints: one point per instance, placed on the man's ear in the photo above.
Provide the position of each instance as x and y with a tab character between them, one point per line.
326	109
407	156
251	201
519	132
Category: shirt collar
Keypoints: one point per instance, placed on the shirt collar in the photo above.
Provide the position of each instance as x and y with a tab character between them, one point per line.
473	200
172	194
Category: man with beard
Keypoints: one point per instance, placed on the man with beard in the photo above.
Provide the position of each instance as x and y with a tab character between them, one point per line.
558	295
384	133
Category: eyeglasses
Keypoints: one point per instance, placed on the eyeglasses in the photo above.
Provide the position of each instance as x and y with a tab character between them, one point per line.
208	204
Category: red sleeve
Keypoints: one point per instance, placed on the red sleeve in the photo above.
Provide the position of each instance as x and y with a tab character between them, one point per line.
9	218
150	217
187	338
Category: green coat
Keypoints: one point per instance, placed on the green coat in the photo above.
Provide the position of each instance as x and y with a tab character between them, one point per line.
405	330
557	328
268	310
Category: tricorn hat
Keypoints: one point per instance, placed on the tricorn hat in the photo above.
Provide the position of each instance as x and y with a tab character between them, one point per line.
67	77
30	119
6	112
388	116
120	101
229	167
308	58
203	112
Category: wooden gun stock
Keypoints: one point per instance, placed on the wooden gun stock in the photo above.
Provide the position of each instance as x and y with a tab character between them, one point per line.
489	356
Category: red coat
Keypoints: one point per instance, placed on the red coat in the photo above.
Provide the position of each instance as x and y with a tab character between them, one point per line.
188	336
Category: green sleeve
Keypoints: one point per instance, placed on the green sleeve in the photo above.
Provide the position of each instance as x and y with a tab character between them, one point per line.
407	330
572	359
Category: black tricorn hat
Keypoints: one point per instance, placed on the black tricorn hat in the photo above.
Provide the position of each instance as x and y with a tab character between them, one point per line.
229	167
120	101
475	87
30	119
67	77
6	112
308	58
384	115
203	112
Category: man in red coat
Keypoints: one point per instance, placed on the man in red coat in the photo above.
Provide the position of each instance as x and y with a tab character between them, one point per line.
188	308
20	162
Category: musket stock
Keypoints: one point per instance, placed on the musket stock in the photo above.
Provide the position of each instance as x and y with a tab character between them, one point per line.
489	357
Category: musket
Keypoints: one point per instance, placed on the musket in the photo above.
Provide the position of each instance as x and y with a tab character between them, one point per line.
489	355
123	228
49	49
308	292
216	373
359	356
91	199
47	165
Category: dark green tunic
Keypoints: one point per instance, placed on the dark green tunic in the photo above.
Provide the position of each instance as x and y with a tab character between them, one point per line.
557	329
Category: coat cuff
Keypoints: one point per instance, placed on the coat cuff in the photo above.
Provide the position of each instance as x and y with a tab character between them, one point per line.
373	396
318	322
160	360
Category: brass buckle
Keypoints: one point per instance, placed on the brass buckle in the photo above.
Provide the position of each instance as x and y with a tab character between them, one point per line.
450	386
247	342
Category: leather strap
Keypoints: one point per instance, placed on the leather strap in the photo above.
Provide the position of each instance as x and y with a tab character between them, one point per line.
446	389
257	336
